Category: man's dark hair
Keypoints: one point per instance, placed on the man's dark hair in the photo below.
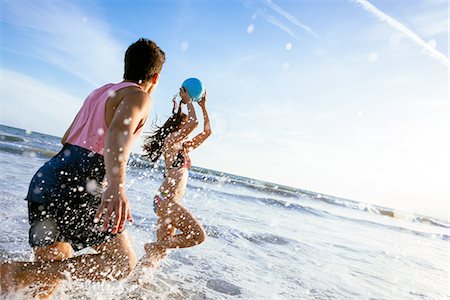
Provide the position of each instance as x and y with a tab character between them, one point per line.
143	59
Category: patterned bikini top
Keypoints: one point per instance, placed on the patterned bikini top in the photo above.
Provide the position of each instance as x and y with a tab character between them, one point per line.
182	160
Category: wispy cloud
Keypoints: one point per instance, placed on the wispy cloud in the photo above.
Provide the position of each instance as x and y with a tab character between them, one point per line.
382	16
271	19
433	21
262	7
288	16
64	35
32	104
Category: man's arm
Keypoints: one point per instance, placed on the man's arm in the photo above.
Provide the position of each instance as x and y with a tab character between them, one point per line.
118	142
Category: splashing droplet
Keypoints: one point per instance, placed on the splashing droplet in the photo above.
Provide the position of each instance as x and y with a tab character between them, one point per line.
184	46
250	28
432	43
111	93
373	57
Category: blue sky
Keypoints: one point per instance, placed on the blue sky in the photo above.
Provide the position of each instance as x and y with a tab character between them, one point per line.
348	98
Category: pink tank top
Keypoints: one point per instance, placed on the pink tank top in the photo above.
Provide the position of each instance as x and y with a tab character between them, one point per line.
89	129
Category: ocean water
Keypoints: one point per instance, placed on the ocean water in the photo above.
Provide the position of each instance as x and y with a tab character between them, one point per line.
263	241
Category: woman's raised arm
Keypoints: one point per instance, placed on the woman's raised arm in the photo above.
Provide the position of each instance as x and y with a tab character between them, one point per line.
201	137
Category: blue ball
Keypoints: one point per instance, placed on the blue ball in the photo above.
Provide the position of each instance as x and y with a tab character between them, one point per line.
195	88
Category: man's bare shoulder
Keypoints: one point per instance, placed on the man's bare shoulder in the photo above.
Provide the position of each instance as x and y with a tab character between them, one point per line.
136	97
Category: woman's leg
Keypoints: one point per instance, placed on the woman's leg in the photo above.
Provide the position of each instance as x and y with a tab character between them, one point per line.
172	216
156	251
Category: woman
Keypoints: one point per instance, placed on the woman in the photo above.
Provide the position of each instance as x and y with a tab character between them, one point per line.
171	140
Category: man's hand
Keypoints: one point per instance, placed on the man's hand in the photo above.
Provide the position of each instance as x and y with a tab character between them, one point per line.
114	201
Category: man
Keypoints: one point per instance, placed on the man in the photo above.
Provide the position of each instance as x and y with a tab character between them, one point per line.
65	211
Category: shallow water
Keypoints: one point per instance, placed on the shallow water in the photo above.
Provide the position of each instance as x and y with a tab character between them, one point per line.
264	241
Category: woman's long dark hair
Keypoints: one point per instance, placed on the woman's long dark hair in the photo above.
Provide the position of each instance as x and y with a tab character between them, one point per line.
153	144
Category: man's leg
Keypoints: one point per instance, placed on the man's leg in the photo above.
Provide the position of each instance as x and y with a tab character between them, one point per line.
115	260
56	252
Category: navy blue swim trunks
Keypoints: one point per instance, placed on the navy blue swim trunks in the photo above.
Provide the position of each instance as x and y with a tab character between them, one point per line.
63	198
